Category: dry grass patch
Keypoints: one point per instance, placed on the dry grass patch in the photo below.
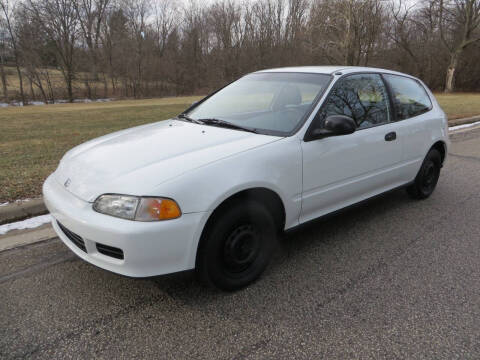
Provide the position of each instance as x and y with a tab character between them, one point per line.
34	138
459	105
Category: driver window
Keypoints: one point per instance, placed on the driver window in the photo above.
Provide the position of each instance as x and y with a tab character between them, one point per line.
362	97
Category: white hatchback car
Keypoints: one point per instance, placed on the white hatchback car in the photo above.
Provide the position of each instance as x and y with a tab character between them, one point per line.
212	188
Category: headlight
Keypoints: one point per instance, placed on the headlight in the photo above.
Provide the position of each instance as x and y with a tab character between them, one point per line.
137	208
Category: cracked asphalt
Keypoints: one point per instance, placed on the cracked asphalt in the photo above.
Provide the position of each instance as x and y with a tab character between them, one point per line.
391	278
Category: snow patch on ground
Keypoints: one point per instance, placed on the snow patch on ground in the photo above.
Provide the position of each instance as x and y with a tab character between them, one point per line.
463	126
16	202
90	100
26	224
60	101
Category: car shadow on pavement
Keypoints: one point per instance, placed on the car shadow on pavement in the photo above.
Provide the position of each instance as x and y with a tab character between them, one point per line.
296	244
340	221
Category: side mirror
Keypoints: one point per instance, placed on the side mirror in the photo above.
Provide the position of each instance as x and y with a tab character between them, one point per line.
335	125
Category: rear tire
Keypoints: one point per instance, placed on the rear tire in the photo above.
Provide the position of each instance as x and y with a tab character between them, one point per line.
237	246
427	177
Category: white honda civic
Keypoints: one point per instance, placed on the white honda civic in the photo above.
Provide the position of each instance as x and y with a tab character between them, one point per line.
212	188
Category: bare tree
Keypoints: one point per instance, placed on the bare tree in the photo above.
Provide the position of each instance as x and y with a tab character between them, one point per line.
34	53
3	54
90	15
404	32
59	21
8	16
349	29
165	18
459	22
136	13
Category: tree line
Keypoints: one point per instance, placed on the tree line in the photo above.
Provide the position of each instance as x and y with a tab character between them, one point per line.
145	48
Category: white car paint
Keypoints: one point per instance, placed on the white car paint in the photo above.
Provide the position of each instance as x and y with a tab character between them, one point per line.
200	166
154	153
336	174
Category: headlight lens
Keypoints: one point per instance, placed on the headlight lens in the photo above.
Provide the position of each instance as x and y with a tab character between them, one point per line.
117	205
137	208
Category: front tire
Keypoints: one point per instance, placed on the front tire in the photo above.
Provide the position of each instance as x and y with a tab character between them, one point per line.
427	177
237	246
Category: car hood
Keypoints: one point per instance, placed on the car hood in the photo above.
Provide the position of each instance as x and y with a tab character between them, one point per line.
135	161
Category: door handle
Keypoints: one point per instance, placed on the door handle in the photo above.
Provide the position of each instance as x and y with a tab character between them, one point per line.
391	136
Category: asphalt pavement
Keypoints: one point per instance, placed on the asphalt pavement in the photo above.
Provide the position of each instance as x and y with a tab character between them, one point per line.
391	278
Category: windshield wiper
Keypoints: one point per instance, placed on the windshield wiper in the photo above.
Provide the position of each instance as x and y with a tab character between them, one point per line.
226	124
188	118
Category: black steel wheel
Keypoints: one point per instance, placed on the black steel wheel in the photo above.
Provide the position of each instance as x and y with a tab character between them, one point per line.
427	177
237	246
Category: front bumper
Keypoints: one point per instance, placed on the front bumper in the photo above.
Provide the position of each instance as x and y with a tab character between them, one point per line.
149	248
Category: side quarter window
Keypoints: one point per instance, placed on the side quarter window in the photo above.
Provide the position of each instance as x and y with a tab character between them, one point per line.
409	97
363	97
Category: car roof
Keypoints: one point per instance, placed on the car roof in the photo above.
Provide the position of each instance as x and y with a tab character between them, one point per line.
332	70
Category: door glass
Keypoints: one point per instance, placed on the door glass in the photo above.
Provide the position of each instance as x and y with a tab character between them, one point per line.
362	97
409	96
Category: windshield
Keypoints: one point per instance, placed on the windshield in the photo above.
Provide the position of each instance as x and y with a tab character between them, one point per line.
271	103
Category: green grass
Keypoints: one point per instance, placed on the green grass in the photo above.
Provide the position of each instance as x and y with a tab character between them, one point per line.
34	138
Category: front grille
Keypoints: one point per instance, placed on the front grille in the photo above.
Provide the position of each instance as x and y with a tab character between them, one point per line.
74	238
110	251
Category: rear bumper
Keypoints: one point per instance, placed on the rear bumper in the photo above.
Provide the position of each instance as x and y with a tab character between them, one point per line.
149	248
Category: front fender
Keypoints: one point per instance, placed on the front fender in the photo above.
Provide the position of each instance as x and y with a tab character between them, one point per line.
276	166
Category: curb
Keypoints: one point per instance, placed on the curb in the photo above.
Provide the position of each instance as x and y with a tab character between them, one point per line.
22	210
463	121
463	133
21	238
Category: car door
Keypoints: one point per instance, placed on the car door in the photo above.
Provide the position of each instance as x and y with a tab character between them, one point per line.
342	170
413	107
